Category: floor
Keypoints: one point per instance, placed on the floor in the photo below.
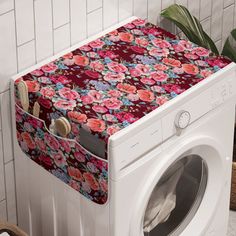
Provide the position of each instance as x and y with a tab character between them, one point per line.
232	224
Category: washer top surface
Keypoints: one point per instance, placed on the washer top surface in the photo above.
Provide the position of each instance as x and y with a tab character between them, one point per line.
113	81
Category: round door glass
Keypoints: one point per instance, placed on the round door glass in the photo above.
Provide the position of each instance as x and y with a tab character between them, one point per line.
176	197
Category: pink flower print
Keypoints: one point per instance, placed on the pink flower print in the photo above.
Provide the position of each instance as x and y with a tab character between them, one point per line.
97	65
37	72
99	109
59	159
191	56
145	95
178	70
28	140
49	68
129	26
74	173
108	54
60	79
126	37
75	130
92	168
103	184
205	73
186	44
114	93
51	141
190	69
117	67
81	60
65	105
87	99
47	92
41	144
68	93
91	181
133	97
161	100
160	43
201	52
112	103
127	88
68	62
85	48
97	96
141	42
147	81
68	55
65	145
172	88
97	44
109	118
160	67
125	116
179	48
75	185
79	156
159	76
144	69
157	89
112	129
77	117
114	32
171	62
159	52
96	125
114	77
135	72
139	22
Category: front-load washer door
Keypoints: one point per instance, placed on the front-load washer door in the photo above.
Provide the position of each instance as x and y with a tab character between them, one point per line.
181	190
176	197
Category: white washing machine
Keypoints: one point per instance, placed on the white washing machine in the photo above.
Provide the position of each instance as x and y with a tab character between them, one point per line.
169	173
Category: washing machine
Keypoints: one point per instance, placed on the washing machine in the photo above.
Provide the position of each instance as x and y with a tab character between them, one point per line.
167	173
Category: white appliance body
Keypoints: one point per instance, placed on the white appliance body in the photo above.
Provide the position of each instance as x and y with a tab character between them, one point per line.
139	155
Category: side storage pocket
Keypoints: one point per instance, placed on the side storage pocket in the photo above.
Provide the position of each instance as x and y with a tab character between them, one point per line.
64	158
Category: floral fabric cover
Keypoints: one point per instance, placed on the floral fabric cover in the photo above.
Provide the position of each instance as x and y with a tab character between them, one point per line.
65	159
105	86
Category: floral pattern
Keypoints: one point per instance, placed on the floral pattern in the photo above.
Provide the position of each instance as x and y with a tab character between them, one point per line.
63	158
115	80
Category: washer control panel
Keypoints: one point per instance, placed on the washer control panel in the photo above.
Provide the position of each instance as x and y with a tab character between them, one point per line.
182	119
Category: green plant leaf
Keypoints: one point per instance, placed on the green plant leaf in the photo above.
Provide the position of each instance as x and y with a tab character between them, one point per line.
190	26
229	49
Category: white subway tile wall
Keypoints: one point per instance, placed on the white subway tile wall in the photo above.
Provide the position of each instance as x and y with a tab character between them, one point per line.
33	30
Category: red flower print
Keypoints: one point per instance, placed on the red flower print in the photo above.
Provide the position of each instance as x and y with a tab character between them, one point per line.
81	60
108	54
74	173
91	181
85	48
44	102
161	100
205	73
46	160
112	103
135	72
96	125
160	43
37	73
145	95
59	159
92	74
159	76
33	86
60	79
127	88
171	62
139	22
80	157
77	117
125	116
68	55
137	49
159	52
68	93
201	52
126	37
190	69
147	81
